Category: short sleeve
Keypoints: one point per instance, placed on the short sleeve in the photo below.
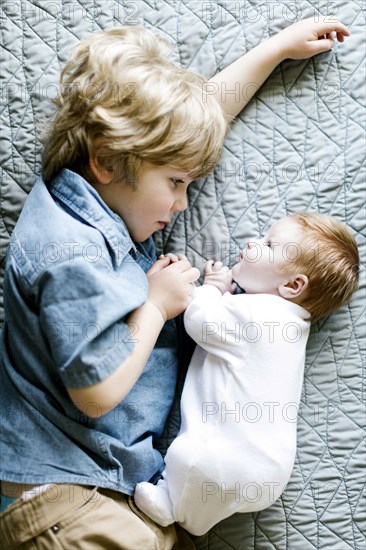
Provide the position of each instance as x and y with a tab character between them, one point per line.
83	308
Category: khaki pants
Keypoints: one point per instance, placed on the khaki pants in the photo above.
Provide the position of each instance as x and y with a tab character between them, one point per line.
79	517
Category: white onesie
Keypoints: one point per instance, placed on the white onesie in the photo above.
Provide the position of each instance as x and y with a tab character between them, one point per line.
236	447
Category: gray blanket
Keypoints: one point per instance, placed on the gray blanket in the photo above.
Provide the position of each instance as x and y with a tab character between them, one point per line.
299	145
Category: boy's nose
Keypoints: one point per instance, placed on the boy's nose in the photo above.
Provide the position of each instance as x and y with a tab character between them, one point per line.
181	203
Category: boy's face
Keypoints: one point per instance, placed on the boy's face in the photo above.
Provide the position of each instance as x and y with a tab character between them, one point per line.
262	264
149	206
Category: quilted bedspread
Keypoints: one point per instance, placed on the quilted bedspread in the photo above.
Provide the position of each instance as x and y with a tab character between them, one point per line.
298	145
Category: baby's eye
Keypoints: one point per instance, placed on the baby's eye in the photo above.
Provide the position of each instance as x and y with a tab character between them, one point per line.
268	243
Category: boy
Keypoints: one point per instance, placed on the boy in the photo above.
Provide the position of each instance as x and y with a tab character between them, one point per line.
89	346
236	447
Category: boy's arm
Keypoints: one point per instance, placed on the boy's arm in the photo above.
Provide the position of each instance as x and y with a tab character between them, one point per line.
235	85
170	291
106	394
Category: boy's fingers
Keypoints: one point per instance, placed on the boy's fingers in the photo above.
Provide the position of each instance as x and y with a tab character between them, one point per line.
160	264
180	266
173	257
191	275
170	255
330	24
323	45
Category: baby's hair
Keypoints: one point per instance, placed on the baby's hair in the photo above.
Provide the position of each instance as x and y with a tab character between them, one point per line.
123	101
329	257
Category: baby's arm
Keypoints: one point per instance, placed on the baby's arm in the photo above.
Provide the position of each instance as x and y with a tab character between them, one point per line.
298	41
214	315
170	291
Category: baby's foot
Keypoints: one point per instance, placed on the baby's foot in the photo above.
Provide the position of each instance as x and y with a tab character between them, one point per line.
155	502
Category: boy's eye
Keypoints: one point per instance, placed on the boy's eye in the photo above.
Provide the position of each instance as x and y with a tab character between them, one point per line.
176	181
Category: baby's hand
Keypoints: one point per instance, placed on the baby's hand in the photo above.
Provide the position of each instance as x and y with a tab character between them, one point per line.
220	276
309	37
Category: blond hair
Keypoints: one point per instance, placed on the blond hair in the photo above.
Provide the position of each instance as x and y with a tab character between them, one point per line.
329	257
123	101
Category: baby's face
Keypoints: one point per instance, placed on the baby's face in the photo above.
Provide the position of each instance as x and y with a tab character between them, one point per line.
263	263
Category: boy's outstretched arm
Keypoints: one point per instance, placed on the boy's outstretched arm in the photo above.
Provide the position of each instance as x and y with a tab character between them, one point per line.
235	85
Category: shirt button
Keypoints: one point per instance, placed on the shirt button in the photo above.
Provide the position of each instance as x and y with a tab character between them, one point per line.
55	529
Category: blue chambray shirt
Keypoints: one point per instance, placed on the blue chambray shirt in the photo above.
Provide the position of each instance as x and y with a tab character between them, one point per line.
72	276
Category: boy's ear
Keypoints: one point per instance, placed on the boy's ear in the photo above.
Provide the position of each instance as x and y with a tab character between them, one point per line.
101	174
293	288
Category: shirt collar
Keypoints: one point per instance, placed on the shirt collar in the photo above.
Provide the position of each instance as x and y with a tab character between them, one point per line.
81	197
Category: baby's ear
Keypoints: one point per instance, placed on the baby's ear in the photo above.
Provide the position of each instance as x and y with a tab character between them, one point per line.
292	287
102	175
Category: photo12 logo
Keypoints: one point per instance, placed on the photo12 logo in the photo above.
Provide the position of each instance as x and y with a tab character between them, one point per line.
252	412
268	11
250	492
251	332
70	12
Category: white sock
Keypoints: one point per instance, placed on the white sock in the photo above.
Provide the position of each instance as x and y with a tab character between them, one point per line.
155	502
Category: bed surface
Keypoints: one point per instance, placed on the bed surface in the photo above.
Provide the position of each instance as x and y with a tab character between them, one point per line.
299	145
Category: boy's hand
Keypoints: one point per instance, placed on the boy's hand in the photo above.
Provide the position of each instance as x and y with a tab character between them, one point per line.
171	284
220	276
309	37
170	257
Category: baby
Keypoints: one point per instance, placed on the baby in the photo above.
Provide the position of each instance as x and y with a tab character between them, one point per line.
236	447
